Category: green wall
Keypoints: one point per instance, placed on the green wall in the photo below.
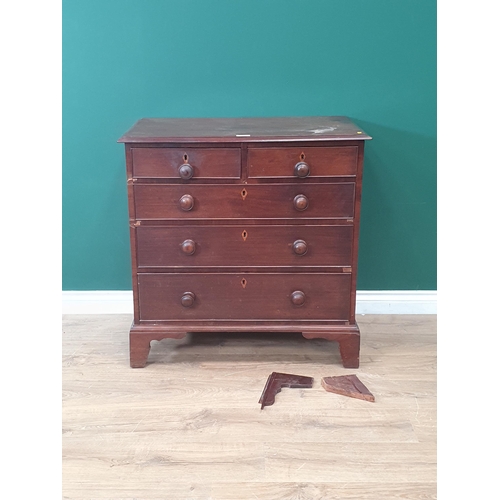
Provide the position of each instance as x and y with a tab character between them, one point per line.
374	61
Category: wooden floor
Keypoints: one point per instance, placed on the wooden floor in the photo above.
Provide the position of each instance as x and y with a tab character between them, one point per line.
189	426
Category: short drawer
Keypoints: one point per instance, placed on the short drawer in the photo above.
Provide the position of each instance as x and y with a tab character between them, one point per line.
210	163
256	201
232	296
251	246
313	161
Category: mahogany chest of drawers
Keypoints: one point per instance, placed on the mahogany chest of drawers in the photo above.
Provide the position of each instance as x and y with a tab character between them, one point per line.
244	224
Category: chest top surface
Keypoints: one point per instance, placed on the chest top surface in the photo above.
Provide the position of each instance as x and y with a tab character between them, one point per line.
316	128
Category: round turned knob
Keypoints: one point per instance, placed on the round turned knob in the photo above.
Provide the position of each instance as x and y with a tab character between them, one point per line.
300	247
188	247
186	171
298	298
301	169
186	202
187	299
300	202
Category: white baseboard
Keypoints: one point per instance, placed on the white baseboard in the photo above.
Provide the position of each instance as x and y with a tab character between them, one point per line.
97	302
396	302
367	302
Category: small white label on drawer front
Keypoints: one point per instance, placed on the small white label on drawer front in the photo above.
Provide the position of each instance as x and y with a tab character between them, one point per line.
243	135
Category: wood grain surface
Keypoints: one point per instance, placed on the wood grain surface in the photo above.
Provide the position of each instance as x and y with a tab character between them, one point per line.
280	162
230	296
220	201
238	245
317	128
189	426
214	163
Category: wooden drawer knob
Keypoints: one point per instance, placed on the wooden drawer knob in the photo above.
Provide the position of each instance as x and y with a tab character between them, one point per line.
188	247
300	247
298	298
186	171
300	202
301	169
186	202
187	299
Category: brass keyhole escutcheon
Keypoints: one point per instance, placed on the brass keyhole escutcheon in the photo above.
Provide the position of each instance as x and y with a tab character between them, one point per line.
302	156
244	235
243	282
185	158
244	193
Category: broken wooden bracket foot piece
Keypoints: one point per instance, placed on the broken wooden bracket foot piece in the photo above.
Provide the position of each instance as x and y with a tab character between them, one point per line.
347	385
276	381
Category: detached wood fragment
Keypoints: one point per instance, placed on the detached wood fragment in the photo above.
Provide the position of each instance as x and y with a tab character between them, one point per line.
276	381
347	385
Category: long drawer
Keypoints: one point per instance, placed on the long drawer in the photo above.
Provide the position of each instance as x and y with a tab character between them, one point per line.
255	246
256	201
244	296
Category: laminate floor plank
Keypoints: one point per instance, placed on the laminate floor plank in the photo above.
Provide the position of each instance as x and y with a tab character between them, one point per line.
267	491
222	394
350	462
189	426
209	427
324	491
